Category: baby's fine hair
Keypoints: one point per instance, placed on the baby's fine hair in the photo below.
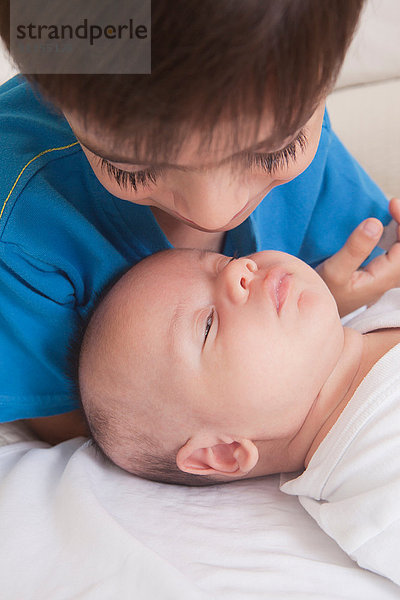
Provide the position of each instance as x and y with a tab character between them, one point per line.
211	59
147	460
111	435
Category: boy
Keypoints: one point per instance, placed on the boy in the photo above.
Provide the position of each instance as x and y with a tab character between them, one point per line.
118	167
241	368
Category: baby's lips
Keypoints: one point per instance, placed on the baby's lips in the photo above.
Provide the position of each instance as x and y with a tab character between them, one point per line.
277	282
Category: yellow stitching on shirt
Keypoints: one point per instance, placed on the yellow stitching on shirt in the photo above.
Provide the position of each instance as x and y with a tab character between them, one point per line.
27	165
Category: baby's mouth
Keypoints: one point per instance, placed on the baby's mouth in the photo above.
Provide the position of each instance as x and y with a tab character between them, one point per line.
282	290
278	283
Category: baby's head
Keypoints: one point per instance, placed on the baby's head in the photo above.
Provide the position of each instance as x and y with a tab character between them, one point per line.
197	368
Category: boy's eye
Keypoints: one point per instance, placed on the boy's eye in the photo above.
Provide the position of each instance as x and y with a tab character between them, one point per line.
271	163
279	160
209	323
133	178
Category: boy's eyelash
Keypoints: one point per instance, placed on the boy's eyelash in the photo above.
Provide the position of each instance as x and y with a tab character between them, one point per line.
134	178
270	162
274	161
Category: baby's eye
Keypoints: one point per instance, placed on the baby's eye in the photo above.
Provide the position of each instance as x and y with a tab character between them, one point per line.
209	323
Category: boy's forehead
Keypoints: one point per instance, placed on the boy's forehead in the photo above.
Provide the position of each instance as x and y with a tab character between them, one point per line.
198	151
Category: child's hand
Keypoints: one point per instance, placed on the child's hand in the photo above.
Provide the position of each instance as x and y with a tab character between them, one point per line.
353	287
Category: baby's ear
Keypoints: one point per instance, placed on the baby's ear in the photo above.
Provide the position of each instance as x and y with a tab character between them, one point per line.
231	458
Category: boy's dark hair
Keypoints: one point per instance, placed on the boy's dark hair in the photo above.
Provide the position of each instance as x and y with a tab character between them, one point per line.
212	58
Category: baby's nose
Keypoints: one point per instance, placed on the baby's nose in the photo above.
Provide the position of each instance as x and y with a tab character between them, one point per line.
239	275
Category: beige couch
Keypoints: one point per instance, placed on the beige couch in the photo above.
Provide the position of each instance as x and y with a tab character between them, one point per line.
365	107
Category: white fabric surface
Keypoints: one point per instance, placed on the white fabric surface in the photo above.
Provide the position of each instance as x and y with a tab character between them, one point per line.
352	483
13	432
73	526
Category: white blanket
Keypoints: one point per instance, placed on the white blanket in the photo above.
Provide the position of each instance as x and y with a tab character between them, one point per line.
73	526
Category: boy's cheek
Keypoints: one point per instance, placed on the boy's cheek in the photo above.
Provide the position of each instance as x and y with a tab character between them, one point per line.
304	158
295	169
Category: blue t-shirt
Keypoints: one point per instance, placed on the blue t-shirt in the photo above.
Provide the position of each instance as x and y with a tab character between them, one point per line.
63	238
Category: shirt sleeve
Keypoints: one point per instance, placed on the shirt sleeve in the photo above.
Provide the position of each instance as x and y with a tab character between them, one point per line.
365	526
63	239
38	319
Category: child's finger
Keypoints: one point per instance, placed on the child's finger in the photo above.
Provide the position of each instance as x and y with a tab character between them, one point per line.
384	272
340	267
394	208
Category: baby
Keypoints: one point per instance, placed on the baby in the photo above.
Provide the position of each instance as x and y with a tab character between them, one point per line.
199	369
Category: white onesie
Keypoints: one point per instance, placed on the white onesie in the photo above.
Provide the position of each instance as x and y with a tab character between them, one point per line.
351	486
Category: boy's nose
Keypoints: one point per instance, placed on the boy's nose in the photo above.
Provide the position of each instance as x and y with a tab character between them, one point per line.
210	202
237	276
